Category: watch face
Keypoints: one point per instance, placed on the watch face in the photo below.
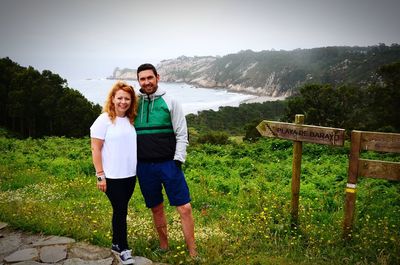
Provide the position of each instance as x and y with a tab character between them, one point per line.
99	178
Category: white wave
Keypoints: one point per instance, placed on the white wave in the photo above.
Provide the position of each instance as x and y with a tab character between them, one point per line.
193	99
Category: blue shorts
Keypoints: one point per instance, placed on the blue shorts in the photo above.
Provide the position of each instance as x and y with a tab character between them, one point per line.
152	176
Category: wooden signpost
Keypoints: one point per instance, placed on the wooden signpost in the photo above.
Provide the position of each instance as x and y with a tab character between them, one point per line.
358	167
299	133
302	133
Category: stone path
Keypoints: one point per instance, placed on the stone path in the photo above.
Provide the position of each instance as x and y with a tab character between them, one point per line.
20	248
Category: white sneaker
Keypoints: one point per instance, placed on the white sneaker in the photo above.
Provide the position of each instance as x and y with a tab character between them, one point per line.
126	257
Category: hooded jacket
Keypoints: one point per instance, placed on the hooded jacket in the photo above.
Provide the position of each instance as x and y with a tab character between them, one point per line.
161	128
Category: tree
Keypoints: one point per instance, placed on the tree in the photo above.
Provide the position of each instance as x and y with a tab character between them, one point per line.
8	69
324	105
74	114
40	104
352	107
384	99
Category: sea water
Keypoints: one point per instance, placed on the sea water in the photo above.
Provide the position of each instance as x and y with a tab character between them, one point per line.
193	99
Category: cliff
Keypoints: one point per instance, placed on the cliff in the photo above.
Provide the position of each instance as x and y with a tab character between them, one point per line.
277	73
123	74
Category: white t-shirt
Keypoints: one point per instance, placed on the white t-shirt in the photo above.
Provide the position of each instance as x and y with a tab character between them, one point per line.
119	152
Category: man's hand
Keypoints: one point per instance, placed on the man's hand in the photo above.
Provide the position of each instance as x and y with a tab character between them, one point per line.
178	164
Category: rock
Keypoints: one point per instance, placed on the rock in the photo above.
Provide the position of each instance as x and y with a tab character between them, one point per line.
10	243
29	239
2	225
21	248
53	240
142	261
53	254
88	252
31	262
77	261
23	255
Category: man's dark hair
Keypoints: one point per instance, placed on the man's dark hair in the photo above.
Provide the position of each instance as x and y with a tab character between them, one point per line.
146	66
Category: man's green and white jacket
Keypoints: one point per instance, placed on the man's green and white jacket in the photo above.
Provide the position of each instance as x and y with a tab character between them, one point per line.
161	128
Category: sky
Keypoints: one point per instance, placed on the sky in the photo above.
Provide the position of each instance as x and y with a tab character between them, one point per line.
89	38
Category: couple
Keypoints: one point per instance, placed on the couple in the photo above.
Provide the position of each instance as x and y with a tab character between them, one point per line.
146	137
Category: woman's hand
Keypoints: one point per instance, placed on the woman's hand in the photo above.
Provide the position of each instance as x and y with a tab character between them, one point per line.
102	185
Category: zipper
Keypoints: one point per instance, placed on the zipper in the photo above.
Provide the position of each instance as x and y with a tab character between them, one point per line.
148	108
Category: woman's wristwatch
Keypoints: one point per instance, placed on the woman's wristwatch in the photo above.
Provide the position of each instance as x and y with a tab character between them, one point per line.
100	175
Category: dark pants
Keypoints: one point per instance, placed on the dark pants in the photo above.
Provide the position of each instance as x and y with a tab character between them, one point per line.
119	192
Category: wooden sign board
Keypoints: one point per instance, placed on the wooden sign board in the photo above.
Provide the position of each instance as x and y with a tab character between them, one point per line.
381	142
302	133
379	169
368	141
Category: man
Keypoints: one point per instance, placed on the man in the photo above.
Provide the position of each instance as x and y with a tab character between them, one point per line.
161	146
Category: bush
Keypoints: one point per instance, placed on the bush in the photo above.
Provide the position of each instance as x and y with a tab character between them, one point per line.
214	137
252	134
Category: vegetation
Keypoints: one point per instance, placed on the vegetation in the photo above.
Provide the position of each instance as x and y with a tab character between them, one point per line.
241	202
37	104
285	72
240	190
350	107
233	120
373	108
40	104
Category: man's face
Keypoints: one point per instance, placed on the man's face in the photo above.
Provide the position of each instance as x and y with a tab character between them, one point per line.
148	81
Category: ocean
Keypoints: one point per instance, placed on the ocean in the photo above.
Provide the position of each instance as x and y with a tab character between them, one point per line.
193	99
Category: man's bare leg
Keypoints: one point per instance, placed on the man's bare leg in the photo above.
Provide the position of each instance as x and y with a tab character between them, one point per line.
185	212
160	222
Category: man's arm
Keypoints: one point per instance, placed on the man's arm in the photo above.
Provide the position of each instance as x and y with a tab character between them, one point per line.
180	129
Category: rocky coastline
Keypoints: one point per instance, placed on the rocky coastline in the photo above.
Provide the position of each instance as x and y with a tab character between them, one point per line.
275	73
263	94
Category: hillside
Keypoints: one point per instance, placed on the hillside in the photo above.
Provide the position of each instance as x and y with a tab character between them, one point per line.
277	73
241	197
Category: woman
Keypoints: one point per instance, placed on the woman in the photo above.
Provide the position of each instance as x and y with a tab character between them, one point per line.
113	141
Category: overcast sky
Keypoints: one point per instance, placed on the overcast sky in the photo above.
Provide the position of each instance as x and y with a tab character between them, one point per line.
89	38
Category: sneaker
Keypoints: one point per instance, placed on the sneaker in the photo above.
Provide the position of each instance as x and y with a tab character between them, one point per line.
115	248
126	257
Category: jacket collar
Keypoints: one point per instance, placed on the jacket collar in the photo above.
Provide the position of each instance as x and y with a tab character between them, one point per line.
158	93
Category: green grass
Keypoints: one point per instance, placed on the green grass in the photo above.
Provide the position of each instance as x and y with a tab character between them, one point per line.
240	197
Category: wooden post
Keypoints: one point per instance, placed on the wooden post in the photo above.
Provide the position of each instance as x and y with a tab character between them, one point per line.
299	133
351	183
372	141
296	170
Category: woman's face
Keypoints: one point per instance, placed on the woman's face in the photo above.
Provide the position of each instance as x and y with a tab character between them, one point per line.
122	101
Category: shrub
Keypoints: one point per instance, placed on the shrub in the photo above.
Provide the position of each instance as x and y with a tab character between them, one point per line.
213	137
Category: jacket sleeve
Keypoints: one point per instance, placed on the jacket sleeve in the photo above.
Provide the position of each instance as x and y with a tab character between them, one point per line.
180	129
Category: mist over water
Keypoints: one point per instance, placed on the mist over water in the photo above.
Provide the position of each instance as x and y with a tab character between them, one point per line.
193	99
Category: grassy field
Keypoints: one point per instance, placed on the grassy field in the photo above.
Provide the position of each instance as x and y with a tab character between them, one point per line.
241	201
